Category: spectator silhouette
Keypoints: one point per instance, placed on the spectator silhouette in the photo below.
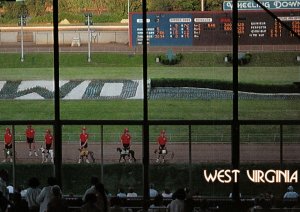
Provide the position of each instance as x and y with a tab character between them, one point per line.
131	193
46	194
92	189
90	204
152	191
18	204
3	183
177	204
290	197
290	194
167	193
57	203
101	202
189	202
121	193
32	193
157	205
3	202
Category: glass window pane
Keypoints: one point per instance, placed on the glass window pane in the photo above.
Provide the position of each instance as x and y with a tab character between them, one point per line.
268	81
26	82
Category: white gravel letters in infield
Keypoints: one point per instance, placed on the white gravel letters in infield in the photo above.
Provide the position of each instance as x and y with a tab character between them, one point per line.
112	89
78	91
2	83
139	94
32	96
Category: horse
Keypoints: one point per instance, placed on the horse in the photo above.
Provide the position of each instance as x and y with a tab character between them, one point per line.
87	154
46	154
162	153
126	154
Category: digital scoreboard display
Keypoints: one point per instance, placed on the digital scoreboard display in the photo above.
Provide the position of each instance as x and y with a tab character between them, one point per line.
214	28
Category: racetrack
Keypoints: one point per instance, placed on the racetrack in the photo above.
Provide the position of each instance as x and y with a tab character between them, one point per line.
200	153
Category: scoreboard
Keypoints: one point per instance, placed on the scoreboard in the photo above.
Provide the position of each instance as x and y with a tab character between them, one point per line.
214	28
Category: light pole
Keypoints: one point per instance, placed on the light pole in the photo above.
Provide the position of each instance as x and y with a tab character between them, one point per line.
22	22
89	22
128	7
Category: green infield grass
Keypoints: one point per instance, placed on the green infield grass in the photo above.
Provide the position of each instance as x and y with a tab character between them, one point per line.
264	68
42	60
257	75
158	110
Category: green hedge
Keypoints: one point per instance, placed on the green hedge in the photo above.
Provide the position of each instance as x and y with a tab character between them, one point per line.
171	59
243	58
224	85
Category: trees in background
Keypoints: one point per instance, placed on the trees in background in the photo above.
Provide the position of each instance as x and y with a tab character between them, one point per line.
174	5
113	9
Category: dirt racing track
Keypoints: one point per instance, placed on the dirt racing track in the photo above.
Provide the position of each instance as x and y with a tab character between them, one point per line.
200	153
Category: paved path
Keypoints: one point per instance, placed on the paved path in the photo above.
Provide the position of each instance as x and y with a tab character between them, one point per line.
201	153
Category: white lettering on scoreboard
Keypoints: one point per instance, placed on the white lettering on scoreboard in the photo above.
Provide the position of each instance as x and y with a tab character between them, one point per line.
290	18
140	20
182	20
203	20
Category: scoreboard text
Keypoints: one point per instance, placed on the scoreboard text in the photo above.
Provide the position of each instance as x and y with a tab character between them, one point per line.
214	28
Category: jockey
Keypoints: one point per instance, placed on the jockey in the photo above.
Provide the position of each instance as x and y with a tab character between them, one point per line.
7	145
162	140
83	145
48	140
126	139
